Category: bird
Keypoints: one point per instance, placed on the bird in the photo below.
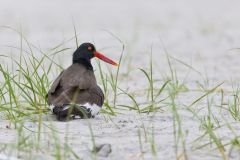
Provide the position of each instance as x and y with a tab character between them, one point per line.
75	91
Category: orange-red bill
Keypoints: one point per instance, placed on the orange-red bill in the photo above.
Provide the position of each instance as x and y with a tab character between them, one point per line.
104	58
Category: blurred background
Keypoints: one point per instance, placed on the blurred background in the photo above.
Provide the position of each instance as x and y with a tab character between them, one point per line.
201	33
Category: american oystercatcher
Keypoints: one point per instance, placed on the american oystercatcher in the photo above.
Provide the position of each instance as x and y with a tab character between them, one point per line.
75	91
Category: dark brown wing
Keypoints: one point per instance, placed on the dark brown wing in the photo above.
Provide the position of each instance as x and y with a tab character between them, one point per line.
70	84
55	83
97	95
78	76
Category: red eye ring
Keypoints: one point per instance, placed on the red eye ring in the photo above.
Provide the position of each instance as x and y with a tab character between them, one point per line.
89	48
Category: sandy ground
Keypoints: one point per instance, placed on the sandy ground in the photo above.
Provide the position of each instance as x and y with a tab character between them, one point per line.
199	33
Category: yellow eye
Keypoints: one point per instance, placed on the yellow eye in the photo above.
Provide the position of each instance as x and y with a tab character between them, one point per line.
89	48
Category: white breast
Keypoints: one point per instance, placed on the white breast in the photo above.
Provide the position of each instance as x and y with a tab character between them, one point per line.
94	109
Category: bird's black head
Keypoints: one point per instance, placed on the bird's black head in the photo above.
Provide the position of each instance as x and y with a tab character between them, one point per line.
86	52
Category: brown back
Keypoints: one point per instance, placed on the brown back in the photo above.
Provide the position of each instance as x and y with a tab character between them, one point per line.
76	84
